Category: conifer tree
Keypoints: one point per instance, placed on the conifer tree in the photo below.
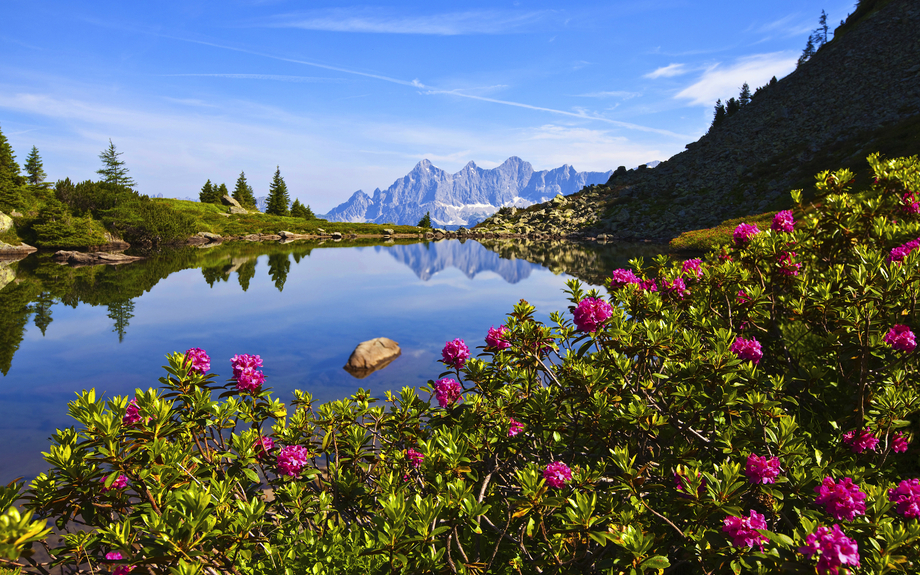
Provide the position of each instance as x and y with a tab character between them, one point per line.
221	191
744	98
206	195
113	168
822	28
808	52
243	192
719	115
278	199
10	180
731	107
425	222
35	170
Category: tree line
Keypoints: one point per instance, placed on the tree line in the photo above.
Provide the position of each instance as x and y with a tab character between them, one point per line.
278	202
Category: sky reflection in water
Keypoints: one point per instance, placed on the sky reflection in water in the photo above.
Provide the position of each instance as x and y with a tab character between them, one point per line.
332	299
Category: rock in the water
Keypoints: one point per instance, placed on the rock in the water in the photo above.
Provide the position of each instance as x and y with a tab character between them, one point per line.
228	201
8	251
6	222
336	235
7	274
93	259
209	236
372	355
286	235
388	232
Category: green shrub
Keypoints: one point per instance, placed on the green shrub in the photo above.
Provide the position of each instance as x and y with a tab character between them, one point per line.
57	227
628	442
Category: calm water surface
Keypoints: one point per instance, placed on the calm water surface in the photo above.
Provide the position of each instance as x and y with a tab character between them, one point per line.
304	308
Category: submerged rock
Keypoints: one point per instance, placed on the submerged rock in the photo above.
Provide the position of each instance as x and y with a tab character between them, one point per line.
93	259
372	355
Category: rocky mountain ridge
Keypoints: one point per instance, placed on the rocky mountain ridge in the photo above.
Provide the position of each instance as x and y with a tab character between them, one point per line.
463	198
859	94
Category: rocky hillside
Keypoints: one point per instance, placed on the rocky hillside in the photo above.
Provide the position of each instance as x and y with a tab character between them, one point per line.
464	198
859	94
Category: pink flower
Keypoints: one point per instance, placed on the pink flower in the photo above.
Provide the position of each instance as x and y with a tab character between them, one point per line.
113	556
906	497
447	391
762	470
743	532
415	458
120	483
455	354
123	570
743	234
515	427
909	204
498	338
677	288
648	285
899	443
901	338
622	277
291	459
590	313
783	222
132	413
246	372
742	297
865	441
786	266
899	253
841	500
557	474
199	360
747	349
263	445
692	268
117	556
834	547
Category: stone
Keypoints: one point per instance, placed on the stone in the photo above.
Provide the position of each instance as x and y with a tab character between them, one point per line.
15	214
8	251
320	232
209	236
6	222
93	258
387	232
286	235
336	235
228	201
7	274
238	209
372	355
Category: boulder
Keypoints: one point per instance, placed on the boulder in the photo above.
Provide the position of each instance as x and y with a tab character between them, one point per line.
372	355
8	251
6	222
93	259
228	201
7	274
320	232
336	235
286	235
237	209
209	236
387	232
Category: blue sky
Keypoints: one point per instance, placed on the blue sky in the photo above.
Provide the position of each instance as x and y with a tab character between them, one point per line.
351	96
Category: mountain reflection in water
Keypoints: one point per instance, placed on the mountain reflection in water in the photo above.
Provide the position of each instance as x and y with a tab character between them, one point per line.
428	258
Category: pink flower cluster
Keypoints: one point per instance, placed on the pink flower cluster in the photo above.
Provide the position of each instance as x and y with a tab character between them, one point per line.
120	483
557	474
899	443
909	204
246	373
787	267
263	445
747	349
692	268
455	354
842	500
117	556
415	458
901	338
906	497
743	530
447	391
783	222
591	313
761	469
292	459
648	285
743	297
899	253
676	288
498	338
743	234
622	277
199	360
864	441
514	427
132	413
833	546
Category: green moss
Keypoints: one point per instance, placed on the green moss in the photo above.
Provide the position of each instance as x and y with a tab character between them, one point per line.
711	238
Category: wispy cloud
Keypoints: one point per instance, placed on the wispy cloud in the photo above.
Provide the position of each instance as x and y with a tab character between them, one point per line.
612	94
791	25
375	21
668	71
274	77
720	81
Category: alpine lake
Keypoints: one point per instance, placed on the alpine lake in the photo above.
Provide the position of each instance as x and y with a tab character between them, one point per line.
302	306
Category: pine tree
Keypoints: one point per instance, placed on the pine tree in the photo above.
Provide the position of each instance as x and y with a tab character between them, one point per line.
425	222
744	98
822	28
278	199
42	311
207	195
279	265
35	170
299	210
221	191
731	107
113	168
808	52
10	180
121	312
719	116
243	192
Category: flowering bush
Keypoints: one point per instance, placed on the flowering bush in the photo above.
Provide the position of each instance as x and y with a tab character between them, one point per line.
498	338
697	435
455	354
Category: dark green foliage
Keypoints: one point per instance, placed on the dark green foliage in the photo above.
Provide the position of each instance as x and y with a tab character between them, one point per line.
731	107
278	267
57	227
719	115
221	192
243	192
817	39
14	301
35	170
209	194
246	272
10	180
121	312
744	98
113	169
425	222
278	199
299	210
42	310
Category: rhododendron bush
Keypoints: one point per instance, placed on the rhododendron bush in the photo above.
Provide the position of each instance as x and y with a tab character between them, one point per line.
742	418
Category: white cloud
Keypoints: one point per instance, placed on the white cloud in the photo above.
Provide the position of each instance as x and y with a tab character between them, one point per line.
612	94
725	81
374	21
668	71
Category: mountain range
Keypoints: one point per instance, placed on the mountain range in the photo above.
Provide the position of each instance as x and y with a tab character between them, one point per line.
464	198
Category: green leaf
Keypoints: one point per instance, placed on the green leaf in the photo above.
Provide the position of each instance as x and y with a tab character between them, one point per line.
656	562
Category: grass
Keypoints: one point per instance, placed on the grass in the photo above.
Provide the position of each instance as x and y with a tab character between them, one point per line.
711	238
